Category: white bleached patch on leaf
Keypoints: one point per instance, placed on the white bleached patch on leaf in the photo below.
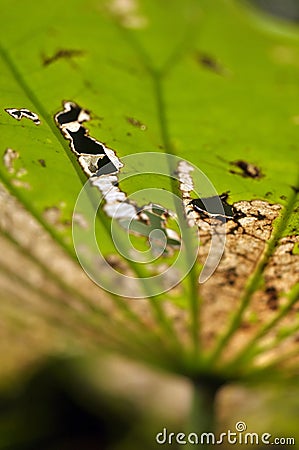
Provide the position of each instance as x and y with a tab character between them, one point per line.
9	158
127	12
184	172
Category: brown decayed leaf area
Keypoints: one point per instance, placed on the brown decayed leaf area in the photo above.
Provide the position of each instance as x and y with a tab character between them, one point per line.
44	293
221	294
47	301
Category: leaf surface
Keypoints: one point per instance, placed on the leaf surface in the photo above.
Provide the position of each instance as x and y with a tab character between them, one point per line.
204	83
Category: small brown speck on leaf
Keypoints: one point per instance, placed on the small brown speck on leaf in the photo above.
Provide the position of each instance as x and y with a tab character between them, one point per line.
42	162
272	297
67	54
136	123
209	62
247	170
117	263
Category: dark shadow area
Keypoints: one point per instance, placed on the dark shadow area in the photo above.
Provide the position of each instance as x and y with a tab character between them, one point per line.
286	9
56	410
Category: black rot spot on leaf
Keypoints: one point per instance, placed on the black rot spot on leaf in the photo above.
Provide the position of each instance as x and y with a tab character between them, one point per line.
208	207
247	170
72	113
84	144
18	114
93	154
102	165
